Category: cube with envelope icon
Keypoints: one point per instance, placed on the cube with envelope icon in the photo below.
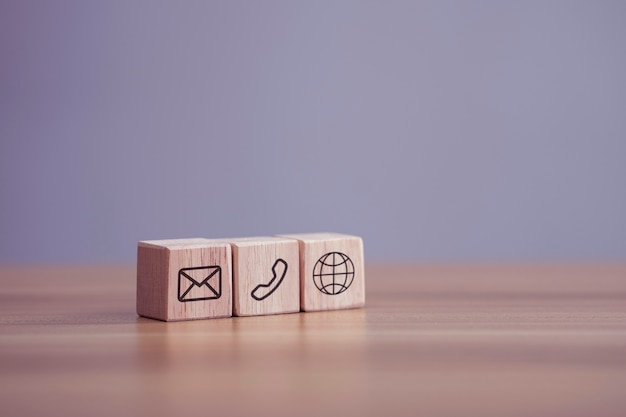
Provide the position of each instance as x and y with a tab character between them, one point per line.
184	279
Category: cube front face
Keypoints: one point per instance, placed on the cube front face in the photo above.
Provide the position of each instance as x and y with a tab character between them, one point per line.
184	279
266	278
332	272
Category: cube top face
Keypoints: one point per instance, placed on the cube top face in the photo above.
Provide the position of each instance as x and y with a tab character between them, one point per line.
255	240
196	242
266	276
184	279
316	237
332	271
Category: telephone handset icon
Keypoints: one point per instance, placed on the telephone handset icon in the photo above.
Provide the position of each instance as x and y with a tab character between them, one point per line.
262	291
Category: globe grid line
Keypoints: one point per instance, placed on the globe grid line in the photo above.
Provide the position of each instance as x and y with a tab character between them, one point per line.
334	264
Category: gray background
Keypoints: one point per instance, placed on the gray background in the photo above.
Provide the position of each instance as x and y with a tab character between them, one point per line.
450	130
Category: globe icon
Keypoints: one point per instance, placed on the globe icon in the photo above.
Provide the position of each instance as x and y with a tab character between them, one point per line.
333	273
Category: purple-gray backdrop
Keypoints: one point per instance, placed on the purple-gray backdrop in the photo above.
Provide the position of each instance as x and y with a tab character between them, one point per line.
437	130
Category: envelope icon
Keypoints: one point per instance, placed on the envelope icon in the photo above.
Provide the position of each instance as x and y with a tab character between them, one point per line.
199	283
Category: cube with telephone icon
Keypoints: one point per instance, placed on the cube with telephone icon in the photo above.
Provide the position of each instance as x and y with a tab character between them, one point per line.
266	276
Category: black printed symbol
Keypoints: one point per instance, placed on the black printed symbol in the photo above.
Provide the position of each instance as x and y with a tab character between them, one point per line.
262	291
199	283
333	273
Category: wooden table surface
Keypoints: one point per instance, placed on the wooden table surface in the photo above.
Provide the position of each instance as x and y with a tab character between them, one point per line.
453	340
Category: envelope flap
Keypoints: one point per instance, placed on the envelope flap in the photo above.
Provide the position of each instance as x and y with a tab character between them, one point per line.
200	275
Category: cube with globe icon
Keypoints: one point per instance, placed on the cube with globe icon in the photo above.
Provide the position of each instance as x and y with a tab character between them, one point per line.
332	273
184	279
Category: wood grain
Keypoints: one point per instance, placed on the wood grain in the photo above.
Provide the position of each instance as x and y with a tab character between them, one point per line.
450	340
319	252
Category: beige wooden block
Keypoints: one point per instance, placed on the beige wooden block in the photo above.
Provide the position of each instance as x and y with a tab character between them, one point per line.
184	279
266	276
332	272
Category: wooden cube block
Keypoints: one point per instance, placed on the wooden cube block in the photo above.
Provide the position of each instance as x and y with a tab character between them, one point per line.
332	272
184	279
266	276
